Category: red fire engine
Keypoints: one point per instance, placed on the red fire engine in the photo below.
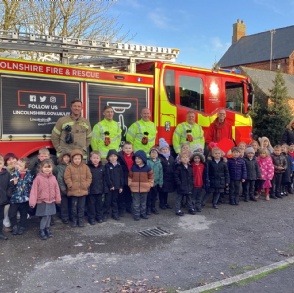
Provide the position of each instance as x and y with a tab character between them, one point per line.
35	94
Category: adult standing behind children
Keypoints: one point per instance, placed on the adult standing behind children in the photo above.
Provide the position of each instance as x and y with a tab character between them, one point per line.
72	131
142	133
188	131
219	129
106	134
288	135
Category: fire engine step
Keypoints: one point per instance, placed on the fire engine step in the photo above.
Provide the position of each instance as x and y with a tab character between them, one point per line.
154	232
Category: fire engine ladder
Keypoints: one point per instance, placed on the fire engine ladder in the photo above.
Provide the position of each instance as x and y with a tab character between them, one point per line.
95	53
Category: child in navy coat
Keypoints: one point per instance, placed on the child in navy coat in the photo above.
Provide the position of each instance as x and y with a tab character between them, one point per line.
114	180
238	174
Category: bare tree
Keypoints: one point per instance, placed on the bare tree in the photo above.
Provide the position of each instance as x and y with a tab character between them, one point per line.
75	19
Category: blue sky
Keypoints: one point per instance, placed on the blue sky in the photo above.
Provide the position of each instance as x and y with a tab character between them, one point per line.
202	30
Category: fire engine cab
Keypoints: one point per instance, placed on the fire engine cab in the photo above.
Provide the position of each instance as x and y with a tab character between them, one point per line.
127	77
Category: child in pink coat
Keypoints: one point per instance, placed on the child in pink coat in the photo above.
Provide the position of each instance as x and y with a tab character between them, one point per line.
45	193
266	166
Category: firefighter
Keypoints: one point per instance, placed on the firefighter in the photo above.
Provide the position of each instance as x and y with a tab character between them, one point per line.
188	131
106	134
72	131
142	133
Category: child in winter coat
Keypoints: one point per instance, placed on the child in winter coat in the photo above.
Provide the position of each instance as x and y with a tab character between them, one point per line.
266	167
184	182
64	160
265	143
43	154
6	187
286	177
255	146
253	173
114	180
45	193
154	162
201	182
140	181
185	148
218	175
78	178
19	201
125	158
238	174
97	189
10	160
168	167
280	166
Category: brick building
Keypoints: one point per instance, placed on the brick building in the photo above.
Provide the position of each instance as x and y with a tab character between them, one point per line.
270	50
258	56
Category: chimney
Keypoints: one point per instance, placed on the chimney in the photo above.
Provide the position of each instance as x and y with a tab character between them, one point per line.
239	30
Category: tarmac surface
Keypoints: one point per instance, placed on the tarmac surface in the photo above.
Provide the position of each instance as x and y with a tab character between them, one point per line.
189	252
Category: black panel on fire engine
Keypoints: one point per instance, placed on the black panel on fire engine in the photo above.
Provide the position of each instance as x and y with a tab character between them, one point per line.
126	102
32	106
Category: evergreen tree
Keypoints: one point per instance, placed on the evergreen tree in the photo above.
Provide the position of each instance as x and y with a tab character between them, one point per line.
270	121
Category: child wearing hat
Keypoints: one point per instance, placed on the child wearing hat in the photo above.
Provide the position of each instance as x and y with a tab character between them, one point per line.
253	173
114	180
140	181
168	168
154	162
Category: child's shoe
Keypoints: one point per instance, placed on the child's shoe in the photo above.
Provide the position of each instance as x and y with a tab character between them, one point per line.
21	230
42	234
48	232
14	230
267	197
179	213
2	236
92	222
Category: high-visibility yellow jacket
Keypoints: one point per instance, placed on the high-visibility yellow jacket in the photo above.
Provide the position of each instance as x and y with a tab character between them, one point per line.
136	132
80	132
181	133
106	131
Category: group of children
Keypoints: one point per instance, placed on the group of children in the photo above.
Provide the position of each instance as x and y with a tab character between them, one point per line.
130	182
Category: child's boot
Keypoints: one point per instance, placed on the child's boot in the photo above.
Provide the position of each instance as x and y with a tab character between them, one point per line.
267	197
14	230
42	234
48	232
21	230
2	236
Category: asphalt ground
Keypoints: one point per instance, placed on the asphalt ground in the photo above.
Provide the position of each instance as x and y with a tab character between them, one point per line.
196	250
